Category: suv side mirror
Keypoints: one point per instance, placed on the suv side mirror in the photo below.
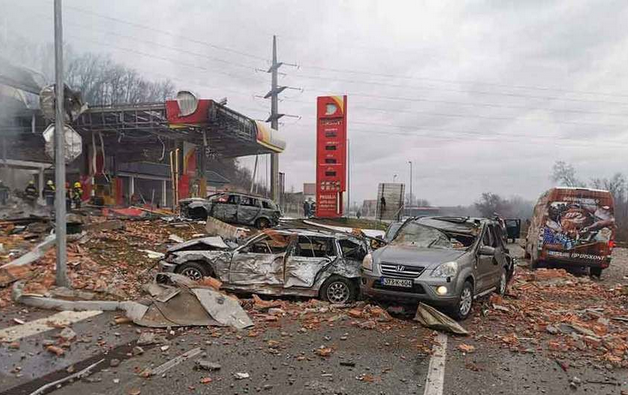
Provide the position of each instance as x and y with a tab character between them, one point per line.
487	250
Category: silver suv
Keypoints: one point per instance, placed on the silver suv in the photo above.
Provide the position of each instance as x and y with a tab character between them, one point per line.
444	261
234	208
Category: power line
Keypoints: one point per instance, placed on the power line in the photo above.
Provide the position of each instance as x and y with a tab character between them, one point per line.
174	61
492	105
527	139
510	94
152	43
160	31
470	116
451	81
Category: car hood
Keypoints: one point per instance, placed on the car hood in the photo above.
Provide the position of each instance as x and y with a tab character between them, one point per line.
415	256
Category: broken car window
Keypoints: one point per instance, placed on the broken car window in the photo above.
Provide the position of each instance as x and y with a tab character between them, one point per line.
233	199
352	250
314	247
421	236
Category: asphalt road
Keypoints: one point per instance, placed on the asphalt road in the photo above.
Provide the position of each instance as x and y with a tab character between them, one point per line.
282	359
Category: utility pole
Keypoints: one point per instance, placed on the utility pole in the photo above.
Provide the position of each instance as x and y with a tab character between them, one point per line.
410	162
274	123
59	138
273	94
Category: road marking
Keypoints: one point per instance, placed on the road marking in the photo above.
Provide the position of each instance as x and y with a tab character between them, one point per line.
41	325
436	370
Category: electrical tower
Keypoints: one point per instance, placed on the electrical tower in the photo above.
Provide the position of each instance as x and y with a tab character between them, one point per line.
273	94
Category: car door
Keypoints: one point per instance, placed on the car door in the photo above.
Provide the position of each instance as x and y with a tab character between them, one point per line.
499	261
248	210
225	208
260	261
307	257
484	263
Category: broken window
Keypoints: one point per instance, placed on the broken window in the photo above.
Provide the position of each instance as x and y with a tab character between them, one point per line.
233	199
352	249
314	247
269	244
249	201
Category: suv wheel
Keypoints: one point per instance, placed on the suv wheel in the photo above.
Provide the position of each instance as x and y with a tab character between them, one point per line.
338	290
503	282
462	309
262	223
193	270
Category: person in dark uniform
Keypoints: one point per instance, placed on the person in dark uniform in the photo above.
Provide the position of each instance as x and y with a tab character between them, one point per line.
77	194
4	194
30	192
48	193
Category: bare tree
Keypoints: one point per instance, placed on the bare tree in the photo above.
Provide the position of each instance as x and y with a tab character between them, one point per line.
565	174
491	204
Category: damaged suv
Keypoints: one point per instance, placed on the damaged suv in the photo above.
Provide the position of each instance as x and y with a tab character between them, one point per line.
277	262
445	261
233	208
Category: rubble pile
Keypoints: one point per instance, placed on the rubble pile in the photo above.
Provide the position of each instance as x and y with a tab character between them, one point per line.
553	311
113	258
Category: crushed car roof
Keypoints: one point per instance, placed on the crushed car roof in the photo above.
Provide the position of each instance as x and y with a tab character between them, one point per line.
465	225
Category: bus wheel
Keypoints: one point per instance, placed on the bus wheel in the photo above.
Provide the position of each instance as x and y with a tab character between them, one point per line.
596	271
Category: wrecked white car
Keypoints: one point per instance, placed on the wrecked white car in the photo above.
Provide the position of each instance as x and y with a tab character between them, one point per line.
277	262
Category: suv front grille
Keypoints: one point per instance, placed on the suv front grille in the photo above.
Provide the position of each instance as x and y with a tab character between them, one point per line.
400	271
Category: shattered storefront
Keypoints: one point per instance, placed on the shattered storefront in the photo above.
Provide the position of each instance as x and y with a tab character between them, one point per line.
146	154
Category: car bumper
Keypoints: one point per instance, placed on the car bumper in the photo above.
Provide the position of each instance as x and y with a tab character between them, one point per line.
166	267
370	286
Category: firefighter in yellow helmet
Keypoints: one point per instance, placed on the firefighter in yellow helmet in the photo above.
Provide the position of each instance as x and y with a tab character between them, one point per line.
77	194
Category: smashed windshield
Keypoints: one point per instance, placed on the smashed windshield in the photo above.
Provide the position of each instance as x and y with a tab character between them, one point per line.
417	235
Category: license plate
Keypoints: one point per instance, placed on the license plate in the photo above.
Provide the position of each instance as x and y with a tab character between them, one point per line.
396	282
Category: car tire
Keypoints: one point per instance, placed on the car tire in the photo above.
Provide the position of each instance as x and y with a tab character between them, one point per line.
596	272
503	282
463	307
262	223
197	213
193	270
339	290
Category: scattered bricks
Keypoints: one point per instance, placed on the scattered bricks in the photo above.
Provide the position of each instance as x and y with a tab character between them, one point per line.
380	314
58	351
273	344
593	342
206	380
14	345
370	324
323	351
466	348
211	282
67	335
355	313
276	311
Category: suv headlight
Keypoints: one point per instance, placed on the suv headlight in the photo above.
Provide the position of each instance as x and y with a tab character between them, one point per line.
367	262
448	269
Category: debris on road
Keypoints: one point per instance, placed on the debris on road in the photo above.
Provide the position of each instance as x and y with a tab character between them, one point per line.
429	317
204	364
78	375
466	348
555	311
163	368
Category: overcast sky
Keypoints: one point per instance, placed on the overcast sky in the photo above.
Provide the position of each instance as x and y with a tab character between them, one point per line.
480	95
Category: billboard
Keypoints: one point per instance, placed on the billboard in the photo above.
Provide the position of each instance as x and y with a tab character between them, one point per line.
331	155
390	201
